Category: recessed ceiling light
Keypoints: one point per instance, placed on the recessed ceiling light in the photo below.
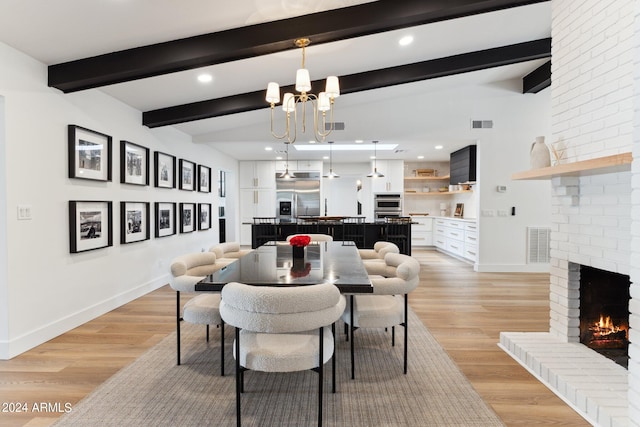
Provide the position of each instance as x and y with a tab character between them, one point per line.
438	147
313	141
279	158
405	41
268	148
359	141
421	157
205	78
325	157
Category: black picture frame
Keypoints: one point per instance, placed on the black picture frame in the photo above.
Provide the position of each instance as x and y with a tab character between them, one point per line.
90	225
134	222
165	170
222	183
134	163
204	216
188	217
165	219
204	179
188	175
89	154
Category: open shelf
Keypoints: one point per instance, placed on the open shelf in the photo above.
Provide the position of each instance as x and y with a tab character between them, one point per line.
615	163
435	193
426	178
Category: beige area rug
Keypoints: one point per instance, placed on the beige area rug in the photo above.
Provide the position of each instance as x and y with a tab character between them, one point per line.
153	391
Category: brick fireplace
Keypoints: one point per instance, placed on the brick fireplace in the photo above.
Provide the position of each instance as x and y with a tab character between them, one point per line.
595	213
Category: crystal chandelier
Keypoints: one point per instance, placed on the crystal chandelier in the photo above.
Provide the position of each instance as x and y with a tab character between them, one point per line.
321	103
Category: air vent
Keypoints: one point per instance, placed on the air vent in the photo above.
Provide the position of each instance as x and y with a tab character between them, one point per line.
539	245
336	126
481	124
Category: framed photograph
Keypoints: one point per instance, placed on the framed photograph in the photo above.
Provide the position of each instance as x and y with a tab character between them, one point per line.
187	175
459	212
134	163
165	214
89	154
134	222
204	216
165	170
187	217
222	183
204	179
89	225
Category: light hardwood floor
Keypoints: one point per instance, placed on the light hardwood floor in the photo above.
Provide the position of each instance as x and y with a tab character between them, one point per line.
463	309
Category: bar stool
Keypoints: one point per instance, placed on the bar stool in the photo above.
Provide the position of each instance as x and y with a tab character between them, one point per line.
265	229
398	231
353	230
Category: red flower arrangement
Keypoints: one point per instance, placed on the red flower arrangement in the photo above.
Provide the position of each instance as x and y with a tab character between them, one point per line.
300	241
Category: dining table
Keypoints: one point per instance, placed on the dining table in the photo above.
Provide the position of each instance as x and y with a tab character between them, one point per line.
273	264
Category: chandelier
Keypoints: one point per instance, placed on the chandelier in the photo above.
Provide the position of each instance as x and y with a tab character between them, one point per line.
321	103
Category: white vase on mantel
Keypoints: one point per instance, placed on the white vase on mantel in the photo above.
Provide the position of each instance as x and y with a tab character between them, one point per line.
539	154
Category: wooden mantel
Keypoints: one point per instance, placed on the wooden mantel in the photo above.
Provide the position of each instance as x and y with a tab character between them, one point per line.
617	162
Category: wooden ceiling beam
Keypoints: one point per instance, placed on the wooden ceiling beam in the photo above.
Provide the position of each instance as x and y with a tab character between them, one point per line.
262	39
463	63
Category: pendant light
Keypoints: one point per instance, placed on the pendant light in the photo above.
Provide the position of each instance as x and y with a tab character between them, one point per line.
286	174
331	173
375	173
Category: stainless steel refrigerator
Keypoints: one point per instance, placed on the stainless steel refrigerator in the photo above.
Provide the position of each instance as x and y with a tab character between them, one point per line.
298	196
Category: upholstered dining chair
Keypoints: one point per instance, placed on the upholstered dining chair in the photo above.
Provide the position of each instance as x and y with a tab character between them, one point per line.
380	249
387	307
228	252
314	237
282	329
204	308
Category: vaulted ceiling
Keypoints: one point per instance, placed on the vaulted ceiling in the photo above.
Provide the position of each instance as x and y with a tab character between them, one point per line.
148	54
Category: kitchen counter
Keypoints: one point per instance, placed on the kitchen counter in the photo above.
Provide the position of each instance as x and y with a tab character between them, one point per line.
373	232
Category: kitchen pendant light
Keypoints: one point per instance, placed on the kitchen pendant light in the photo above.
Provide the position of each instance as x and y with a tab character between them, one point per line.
375	173
331	173
286	174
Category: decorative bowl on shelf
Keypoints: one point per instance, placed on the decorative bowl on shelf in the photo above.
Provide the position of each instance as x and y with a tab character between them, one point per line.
443	189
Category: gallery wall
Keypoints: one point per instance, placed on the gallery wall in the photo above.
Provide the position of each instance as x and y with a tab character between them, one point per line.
45	289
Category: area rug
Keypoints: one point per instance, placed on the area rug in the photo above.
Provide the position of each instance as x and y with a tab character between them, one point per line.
153	391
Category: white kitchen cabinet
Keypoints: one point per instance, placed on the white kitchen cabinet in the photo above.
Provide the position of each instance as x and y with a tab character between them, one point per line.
393	179
458	237
421	230
257	174
255	203
299	165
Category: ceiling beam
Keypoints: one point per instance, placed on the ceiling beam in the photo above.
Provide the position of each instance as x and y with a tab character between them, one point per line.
538	79
262	39
463	63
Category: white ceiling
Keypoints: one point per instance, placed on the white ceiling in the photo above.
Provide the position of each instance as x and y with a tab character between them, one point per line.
64	30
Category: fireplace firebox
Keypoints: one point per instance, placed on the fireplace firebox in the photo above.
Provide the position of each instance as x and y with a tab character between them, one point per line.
604	313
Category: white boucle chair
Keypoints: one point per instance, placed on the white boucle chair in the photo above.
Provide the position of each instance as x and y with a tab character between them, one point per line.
228	252
392	280
314	237
204	308
380	249
282	329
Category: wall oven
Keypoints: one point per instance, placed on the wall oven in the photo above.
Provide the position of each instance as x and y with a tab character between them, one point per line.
387	205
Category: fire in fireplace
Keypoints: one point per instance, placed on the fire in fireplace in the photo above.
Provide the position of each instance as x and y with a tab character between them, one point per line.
604	313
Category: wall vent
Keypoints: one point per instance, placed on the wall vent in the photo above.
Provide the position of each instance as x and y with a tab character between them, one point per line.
336	126
538	245
481	124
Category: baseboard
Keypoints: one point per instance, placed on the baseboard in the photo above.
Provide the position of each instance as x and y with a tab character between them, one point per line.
18	345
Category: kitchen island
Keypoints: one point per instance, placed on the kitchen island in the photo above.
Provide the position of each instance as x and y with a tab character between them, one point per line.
373	231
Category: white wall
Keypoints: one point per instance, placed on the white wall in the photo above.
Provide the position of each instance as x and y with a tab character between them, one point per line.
48	290
4	294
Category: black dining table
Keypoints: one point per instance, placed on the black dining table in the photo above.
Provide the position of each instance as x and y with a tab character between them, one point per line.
272	264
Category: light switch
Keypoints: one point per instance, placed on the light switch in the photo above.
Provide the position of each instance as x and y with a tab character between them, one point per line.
24	212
